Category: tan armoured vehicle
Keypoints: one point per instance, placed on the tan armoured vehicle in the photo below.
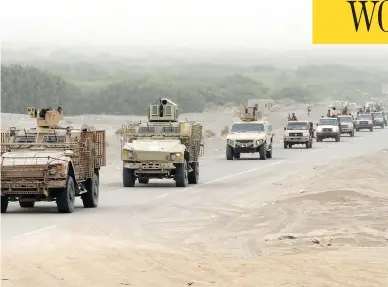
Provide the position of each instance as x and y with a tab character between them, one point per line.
249	135
161	148
51	163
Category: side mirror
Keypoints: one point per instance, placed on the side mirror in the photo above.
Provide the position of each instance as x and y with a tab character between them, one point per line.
285	128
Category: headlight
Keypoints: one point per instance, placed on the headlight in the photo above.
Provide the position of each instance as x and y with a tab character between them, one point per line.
127	154
259	142
319	129
369	122
305	134
175	156
231	142
52	169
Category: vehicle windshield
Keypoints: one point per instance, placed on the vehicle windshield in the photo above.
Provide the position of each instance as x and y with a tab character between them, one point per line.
297	126
159	130
25	139
378	116
328	122
54	139
345	119
247	128
364	117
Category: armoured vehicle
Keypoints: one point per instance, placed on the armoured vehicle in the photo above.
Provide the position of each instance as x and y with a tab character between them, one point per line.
249	135
51	162
328	128
363	122
161	148
347	124
378	119
298	133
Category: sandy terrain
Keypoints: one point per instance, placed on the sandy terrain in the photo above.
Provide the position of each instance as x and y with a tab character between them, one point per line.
306	218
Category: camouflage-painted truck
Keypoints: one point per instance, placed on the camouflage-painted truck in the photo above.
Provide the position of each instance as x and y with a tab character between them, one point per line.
161	148
51	162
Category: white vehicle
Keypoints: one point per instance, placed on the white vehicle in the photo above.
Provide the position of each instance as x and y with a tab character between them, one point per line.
249	135
347	124
328	128
298	133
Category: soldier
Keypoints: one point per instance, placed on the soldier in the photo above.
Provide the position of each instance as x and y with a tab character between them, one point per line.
293	118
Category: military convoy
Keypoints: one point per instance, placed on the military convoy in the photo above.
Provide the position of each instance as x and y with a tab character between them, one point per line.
161	148
51	162
251	134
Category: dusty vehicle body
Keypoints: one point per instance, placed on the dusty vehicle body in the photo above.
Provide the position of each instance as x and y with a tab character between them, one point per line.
347	124
328	128
162	147
378	119
364	122
298	133
249	135
51	163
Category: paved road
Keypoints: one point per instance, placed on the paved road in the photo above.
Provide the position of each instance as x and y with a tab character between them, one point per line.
159	208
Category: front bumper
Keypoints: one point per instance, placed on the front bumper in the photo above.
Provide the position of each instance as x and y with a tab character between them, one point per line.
10	187
380	123
364	126
150	167
346	129
296	139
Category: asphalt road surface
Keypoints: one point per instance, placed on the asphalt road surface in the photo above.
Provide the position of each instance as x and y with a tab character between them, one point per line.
152	213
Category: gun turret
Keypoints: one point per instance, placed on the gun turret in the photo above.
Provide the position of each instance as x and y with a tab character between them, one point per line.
47	118
249	113
163	110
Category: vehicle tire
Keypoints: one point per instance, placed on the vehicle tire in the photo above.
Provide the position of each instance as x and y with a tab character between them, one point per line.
181	175
382	126
338	138
4	204
371	129
289	145
229	152
352	133
66	198
285	145
269	152
90	198
311	143
263	152
128	177
194	174
357	130
27	204
318	139
237	155
144	180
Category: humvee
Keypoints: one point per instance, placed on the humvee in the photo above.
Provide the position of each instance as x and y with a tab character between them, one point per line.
249	135
161	148
51	162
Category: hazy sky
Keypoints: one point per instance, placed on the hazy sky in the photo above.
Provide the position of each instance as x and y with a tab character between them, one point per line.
248	23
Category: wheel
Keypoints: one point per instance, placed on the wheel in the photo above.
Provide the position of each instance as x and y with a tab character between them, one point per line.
128	177
285	145
269	152
237	155
27	204
338	138
194	174
263	152
352	133
66	198
229	152
90	198
318	139
357	130
4	204
144	180
181	175
382	126
311	143
371	129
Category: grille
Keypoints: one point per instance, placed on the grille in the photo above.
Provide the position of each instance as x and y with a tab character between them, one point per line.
244	141
363	122
327	130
